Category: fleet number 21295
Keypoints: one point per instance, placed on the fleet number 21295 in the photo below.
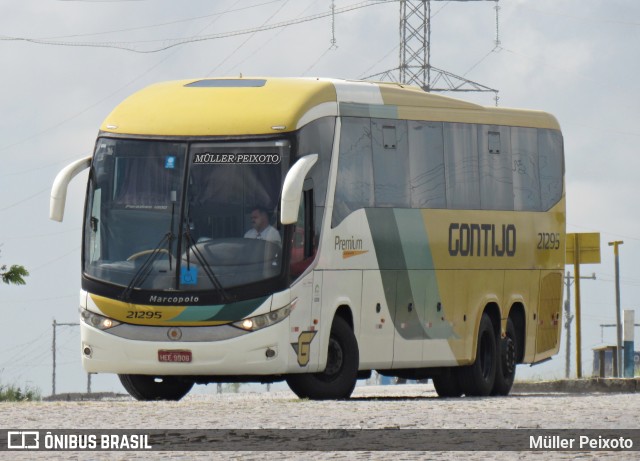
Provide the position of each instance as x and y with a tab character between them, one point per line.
548	241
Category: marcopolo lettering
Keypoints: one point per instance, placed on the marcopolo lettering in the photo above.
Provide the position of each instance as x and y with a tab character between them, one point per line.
173	299
209	158
482	239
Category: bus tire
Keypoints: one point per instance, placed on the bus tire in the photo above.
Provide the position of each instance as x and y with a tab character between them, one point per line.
506	363
339	378
447	383
146	387
477	379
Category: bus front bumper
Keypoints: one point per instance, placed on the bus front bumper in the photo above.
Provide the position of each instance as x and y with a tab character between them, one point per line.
262	352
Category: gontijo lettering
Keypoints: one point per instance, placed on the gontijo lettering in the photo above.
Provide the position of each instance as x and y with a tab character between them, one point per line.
482	239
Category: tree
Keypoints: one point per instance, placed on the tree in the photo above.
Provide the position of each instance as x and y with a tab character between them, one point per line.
14	274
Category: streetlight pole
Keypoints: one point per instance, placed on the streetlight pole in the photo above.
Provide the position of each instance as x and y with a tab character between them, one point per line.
618	321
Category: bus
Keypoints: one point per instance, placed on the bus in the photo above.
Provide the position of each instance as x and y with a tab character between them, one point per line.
315	230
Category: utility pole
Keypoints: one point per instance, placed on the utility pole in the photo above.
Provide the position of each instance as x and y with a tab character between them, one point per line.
581	248
53	351
615	245
568	281
567	324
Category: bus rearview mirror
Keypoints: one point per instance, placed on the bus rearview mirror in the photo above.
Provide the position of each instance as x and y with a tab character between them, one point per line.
60	185
292	188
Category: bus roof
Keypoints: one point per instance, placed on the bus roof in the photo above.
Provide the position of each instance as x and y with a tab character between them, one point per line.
255	106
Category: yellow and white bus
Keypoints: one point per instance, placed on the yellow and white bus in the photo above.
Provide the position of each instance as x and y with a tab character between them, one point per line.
314	230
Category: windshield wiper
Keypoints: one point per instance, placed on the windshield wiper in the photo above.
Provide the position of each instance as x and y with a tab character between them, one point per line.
206	268
143	272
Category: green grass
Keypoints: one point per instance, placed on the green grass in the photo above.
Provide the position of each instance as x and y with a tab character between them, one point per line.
12	393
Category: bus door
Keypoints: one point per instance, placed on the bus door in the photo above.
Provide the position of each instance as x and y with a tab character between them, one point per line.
307	287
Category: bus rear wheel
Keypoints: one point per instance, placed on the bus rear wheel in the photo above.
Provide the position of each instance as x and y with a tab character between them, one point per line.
339	378
477	379
447	383
145	387
506	363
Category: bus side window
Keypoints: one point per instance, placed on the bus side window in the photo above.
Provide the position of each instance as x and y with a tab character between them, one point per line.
303	246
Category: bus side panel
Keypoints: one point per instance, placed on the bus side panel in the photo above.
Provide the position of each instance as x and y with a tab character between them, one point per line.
304	350
376	321
522	287
409	319
446	342
473	291
549	315
339	288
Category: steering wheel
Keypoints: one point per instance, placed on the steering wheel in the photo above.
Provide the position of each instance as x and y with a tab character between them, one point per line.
135	256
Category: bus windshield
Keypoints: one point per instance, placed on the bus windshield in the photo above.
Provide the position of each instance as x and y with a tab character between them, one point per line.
184	216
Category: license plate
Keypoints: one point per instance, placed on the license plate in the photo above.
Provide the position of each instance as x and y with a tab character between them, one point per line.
181	356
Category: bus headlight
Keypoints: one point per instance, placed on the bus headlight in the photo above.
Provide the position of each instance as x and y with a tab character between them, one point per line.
265	320
97	321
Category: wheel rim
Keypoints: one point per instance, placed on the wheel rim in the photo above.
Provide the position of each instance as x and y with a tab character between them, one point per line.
509	356
334	358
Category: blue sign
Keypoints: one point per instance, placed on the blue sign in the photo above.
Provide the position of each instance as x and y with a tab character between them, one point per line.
170	162
189	276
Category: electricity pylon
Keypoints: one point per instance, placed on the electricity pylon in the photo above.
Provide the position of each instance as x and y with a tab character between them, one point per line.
415	53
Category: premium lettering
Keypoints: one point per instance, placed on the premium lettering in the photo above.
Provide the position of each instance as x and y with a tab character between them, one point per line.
347	244
482	239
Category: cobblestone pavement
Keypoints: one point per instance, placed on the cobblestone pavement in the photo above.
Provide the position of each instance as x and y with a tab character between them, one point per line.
372	407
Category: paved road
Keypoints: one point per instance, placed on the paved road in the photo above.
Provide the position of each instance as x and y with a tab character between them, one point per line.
373	407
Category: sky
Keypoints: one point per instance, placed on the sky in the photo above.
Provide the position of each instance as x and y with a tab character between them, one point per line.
67	63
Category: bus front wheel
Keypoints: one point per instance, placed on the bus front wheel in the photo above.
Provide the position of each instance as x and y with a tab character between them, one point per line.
144	387
339	378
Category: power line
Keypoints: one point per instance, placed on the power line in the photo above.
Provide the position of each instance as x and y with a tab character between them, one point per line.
331	47
40	236
247	40
100	101
162	24
55	259
128	45
266	42
597	20
43	167
19	202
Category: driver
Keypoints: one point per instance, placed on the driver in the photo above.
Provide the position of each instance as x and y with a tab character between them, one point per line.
261	229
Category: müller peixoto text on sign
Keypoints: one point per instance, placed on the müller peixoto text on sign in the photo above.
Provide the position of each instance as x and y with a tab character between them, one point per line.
555	442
